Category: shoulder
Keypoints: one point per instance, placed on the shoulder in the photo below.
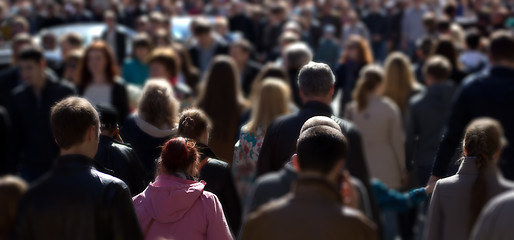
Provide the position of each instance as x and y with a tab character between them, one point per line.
390	105
109	181
66	86
217	164
347	127
446	184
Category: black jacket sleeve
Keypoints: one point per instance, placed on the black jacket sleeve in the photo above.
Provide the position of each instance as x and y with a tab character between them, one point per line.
123	220
232	202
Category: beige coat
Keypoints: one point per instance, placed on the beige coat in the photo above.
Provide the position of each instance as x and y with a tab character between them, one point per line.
449	212
380	125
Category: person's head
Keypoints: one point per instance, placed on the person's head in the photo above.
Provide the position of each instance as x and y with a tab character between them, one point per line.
273	102
179	155
316	83
19	25
19	42
141	47
164	63
99	62
12	189
142	25
221	25
296	55
155	21
429	22
202	30
71	62
158	105
483	142
424	47
162	38
108	120
32	66
194	124
357	50
399	81
374	6
437	69
369	82
110	19
269	70
444	46
321	149
473	39
450	10
443	25
240	51
501	48
278	11
70	42
75	126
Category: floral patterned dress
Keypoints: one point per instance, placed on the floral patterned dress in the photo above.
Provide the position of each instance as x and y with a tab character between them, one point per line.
246	153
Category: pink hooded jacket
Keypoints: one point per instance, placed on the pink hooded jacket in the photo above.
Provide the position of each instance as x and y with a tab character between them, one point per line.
176	208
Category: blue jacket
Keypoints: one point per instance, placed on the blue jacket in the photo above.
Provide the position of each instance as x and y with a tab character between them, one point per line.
135	72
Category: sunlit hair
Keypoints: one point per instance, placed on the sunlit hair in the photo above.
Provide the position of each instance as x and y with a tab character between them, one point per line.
158	105
168	58
399	81
370	78
85	75
272	102
364	51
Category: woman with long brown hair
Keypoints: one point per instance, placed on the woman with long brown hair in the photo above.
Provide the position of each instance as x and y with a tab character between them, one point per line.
99	81
221	99
458	200
399	82
356	55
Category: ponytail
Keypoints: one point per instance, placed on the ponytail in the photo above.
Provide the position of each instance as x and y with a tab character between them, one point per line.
370	77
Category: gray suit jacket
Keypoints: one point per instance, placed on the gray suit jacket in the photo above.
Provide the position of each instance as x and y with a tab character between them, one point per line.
449	213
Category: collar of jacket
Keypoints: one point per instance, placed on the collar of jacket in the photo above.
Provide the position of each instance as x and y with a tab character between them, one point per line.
73	162
469	167
316	188
205	151
319	106
500	71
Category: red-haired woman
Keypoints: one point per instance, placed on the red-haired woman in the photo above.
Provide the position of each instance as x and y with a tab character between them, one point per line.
98	79
356	55
175	206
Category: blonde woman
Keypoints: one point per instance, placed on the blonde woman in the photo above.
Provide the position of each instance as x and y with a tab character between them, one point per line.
153	124
273	101
399	82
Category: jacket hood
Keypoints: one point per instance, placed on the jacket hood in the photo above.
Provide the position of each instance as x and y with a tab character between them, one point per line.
169	198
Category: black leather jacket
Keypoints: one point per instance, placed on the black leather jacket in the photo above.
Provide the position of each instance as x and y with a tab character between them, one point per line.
74	201
120	160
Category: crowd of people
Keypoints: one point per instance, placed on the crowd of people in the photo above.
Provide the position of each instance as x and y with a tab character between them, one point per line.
275	119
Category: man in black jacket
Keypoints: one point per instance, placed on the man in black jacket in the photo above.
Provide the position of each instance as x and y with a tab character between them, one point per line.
74	201
114	157
29	109
484	95
113	37
207	45
240	51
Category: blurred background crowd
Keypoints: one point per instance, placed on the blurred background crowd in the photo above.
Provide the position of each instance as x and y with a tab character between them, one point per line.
238	78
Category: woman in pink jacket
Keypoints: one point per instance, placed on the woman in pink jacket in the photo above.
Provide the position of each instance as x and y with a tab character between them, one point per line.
175	206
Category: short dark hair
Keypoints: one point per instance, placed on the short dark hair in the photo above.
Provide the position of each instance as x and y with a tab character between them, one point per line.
108	116
320	147
502	46
201	26
438	67
70	119
244	44
425	45
443	24
142	41
315	79
72	39
32	53
472	39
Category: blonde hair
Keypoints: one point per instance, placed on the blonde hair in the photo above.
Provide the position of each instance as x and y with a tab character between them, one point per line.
158	105
370	77
272	102
399	79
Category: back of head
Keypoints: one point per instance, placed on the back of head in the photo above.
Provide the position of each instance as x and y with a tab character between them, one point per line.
73	39
201	26
316	79
11	190
71	119
438	68
297	55
319	148
272	102
399	79
168	58
193	123
179	155
370	78
158	105
269	70
319	121
108	117
483	139
425	45
31	53
501	47
445	47
473	39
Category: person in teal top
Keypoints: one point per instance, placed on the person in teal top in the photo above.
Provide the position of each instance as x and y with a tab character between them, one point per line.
135	69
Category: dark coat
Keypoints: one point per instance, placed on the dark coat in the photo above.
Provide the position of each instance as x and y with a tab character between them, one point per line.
218	176
34	144
74	201
313	210
121	161
147	148
119	99
249	73
121	42
5	127
9	79
346	75
194	52
483	95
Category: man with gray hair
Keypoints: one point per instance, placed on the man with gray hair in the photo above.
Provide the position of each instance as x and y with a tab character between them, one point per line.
316	88
295	56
